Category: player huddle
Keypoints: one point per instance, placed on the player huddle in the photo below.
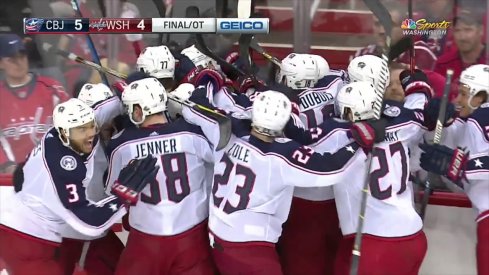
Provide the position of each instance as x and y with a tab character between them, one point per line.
283	196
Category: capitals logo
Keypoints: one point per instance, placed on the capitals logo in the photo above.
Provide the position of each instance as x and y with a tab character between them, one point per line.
33	24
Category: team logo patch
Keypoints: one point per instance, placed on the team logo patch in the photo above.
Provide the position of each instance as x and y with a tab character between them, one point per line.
240	115
68	163
392	111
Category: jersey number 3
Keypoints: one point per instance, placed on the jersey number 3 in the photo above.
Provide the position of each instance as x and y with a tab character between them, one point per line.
175	175
243	191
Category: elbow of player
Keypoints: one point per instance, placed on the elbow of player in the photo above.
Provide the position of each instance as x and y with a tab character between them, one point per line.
95	230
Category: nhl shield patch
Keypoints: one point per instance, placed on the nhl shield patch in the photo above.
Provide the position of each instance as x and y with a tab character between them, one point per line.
68	163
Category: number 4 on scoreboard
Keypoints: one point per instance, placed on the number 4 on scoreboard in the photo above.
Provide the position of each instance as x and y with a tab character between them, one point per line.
141	25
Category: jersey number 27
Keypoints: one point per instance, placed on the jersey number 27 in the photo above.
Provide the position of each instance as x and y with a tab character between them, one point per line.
383	170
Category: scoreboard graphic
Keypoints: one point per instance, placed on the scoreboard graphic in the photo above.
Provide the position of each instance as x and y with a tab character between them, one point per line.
145	25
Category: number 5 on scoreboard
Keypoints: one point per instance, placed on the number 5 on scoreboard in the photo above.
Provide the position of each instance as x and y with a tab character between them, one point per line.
78	24
141	25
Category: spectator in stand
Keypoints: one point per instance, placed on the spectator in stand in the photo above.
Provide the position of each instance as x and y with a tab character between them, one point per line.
26	102
425	60
437	11
468	35
398	13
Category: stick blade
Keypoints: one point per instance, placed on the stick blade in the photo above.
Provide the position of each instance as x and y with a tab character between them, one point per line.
402	46
381	13
225	130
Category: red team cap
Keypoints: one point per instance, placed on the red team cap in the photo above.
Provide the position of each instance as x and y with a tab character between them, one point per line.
425	58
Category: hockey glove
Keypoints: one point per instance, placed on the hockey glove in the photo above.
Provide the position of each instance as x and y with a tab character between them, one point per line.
430	113
366	133
247	85
118	88
417	82
133	178
184	69
443	161
215	77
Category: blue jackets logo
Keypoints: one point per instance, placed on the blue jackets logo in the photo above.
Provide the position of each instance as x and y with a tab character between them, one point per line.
242	25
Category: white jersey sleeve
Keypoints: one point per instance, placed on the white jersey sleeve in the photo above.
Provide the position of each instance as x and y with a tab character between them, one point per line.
390	211
316	104
253	185
107	110
209	126
476	141
177	200
53	195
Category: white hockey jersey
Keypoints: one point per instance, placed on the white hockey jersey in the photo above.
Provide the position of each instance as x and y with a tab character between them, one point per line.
316	105
390	211
476	140
178	199
53	194
254	181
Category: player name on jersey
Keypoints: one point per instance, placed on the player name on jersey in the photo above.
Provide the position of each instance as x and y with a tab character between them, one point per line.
145	25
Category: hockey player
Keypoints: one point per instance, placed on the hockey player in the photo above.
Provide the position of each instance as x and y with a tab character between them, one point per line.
104	250
51	193
168	226
158	62
390	203
366	68
253	186
311	234
93	94
473	136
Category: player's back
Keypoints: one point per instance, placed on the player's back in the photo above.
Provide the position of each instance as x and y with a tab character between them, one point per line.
390	210
253	185
316	104
53	196
178	199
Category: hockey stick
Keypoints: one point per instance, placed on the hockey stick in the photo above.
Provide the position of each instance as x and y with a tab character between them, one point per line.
401	46
412	54
221	8
385	18
37	121
80	266
7	149
91	45
436	140
244	11
256	47
49	48
487	36
223	121
193	12
162	13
